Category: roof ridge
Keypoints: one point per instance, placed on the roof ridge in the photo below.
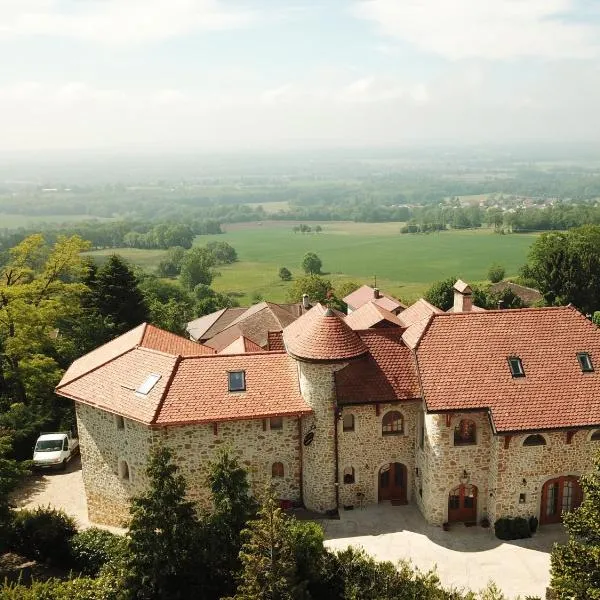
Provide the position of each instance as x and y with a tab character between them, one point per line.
217	355
505	310
161	352
166	390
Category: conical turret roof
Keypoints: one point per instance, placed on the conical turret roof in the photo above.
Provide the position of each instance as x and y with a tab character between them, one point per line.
321	336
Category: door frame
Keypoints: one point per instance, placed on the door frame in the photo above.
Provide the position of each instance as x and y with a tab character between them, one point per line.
578	496
406	495
472	516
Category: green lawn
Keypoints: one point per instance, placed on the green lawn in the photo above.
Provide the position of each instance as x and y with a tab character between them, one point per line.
404	264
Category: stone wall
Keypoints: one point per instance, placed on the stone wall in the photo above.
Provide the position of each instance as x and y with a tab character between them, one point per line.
103	448
317	386
536	465
367	450
255	445
442	465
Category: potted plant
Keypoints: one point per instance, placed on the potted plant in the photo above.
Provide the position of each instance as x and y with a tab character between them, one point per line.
485	522
446	526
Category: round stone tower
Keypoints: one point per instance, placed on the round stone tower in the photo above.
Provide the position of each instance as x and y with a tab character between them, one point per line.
321	343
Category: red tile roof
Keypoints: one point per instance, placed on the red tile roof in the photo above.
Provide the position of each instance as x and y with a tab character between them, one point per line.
387	374
276	341
203	328
463	365
170	343
240	346
371	314
418	311
321	336
366	294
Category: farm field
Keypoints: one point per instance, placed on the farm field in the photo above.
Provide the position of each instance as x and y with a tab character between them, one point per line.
405	265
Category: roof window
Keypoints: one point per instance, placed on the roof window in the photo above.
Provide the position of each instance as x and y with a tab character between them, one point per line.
516	366
237	381
585	362
148	384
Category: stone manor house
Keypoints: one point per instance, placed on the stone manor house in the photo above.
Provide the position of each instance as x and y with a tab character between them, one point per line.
468	414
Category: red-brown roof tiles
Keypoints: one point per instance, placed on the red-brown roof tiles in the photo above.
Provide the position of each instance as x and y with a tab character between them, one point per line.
240	346
170	343
207	326
463	365
276	341
371	315
418	311
387	374
321	336
366	294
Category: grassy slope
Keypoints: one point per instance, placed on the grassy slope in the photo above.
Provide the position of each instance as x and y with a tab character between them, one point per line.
404	264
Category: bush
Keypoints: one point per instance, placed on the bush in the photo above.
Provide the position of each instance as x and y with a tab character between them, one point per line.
496	273
508	528
43	534
93	548
285	274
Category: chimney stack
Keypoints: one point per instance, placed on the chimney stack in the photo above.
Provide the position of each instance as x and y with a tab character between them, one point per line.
500	304
463	302
376	293
305	301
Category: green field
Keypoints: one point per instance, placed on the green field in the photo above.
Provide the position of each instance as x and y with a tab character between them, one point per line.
404	265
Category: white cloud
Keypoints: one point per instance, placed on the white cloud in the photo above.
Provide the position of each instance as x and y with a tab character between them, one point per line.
490	29
117	22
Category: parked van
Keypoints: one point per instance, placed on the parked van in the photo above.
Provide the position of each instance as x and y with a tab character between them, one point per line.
55	450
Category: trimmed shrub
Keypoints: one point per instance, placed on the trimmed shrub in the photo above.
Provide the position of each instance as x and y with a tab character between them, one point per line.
508	528
93	548
43	534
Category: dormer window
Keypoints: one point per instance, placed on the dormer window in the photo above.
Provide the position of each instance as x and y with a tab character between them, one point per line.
516	366
585	362
237	381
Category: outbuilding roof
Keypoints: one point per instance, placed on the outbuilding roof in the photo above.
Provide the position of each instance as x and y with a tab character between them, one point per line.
366	294
372	315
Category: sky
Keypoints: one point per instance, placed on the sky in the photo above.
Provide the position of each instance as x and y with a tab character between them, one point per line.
173	75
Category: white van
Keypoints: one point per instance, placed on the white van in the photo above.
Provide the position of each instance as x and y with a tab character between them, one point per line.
55	450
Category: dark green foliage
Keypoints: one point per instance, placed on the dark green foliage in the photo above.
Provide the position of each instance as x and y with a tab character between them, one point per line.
163	536
285	274
197	268
509	528
93	548
576	565
43	534
441	293
311	264
317	288
171	265
116	295
223	253
596	318
496	273
490	300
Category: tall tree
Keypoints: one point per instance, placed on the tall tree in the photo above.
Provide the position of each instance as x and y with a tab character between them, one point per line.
576	564
197	268
317	288
311	264
441	293
163	536
116	295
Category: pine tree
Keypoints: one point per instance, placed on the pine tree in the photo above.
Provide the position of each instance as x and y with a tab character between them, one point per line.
576	564
115	295
163	536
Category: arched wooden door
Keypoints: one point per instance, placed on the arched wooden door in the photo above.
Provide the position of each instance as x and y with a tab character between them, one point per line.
392	483
462	503
559	495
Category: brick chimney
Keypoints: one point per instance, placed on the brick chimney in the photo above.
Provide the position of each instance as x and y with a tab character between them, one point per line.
376	293
305	301
463	302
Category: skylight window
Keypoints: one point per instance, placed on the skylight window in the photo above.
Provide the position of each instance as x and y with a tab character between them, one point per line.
516	366
585	362
148	384
237	381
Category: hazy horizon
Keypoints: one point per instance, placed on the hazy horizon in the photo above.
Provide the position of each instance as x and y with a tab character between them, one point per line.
209	75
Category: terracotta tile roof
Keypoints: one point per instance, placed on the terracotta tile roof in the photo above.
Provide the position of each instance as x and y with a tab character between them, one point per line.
320	335
240	346
366	294
208	326
276	341
199	390
463	365
528	295
474	308
145	335
224	338
388	373
418	311
371	314
412	335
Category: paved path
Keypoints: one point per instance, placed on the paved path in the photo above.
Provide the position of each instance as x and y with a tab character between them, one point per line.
465	557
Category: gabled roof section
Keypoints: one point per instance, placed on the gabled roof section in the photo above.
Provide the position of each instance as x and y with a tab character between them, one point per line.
418	311
210	325
463	365
366	294
462	287
321	336
144	335
241	345
386	374
371	315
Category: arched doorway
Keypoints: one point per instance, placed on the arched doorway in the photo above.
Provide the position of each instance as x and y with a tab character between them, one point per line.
462	503
559	495
392	483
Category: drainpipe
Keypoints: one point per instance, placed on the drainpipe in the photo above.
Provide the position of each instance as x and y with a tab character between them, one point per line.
337	459
300	460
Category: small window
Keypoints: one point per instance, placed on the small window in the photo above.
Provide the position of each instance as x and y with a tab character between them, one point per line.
585	362
535	440
348	422
277	470
65	445
237	381
349	475
124	470
146	387
276	423
595	437
120	422
465	433
516	366
392	423
421	432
